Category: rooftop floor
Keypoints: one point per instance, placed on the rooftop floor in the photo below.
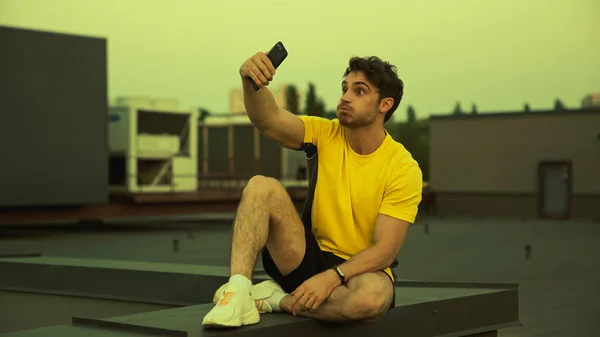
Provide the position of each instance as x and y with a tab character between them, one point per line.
559	285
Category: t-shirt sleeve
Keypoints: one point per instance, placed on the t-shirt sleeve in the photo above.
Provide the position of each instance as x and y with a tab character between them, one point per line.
316	129
403	194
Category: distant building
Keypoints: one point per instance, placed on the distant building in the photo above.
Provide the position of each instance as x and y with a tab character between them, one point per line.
538	164
236	98
236	101
148	102
231	149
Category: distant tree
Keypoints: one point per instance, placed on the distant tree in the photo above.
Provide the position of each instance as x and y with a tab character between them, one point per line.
202	114
320	108
558	105
311	99
474	109
331	114
457	109
291	99
314	105
411	115
415	138
526	107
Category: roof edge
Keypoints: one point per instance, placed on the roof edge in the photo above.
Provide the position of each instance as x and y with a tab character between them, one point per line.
565	112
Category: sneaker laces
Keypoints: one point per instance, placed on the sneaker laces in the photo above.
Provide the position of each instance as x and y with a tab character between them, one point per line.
259	304
226	298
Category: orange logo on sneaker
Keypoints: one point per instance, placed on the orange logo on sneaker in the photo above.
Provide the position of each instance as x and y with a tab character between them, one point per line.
226	298
259	304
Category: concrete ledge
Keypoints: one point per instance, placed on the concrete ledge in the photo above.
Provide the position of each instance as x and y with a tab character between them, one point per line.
452	314
422	308
134	281
415	315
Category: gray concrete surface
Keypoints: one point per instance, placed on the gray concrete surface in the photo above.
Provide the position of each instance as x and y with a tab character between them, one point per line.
559	285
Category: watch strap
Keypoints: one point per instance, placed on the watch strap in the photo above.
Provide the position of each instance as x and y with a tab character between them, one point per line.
340	274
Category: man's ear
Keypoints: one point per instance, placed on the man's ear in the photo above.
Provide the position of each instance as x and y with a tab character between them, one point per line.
386	104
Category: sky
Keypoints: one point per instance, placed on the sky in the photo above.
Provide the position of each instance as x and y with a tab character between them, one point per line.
498	54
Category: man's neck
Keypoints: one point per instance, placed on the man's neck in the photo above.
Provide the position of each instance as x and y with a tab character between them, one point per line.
366	140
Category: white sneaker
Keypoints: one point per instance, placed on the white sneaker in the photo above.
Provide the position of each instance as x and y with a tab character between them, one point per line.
267	295
233	308
262	293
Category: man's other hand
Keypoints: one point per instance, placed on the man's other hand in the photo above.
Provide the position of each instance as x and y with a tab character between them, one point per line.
314	291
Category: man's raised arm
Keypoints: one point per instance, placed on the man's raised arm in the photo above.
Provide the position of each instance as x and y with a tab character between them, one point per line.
275	122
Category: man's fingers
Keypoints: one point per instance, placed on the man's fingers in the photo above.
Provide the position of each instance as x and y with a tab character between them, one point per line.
267	61
255	79
309	304
263	80
264	69
252	75
260	69
296	295
300	304
316	305
298	292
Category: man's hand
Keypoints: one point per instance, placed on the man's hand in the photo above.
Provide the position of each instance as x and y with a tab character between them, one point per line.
314	291
259	68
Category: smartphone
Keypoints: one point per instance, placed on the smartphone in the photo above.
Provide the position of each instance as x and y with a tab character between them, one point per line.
277	54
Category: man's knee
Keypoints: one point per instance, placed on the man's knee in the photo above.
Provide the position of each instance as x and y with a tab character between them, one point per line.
370	296
366	306
261	185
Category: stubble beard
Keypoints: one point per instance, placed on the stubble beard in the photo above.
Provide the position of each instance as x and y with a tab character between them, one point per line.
360	122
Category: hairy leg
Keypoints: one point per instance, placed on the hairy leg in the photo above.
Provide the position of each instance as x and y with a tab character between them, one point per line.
266	216
365	298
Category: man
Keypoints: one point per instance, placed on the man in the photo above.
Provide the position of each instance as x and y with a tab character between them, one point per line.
333	264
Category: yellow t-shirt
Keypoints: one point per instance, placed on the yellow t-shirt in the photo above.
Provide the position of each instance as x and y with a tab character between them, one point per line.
352	189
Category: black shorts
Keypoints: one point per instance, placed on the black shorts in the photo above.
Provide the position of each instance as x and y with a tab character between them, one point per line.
314	262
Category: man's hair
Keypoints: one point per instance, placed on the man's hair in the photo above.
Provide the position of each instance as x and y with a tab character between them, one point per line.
383	75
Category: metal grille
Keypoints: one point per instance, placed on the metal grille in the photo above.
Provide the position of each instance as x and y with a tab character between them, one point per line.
243	151
270	158
218	158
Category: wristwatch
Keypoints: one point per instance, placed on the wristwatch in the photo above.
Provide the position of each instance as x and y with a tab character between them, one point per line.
340	273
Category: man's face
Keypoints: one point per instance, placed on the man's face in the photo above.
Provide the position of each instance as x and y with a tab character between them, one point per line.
359	104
